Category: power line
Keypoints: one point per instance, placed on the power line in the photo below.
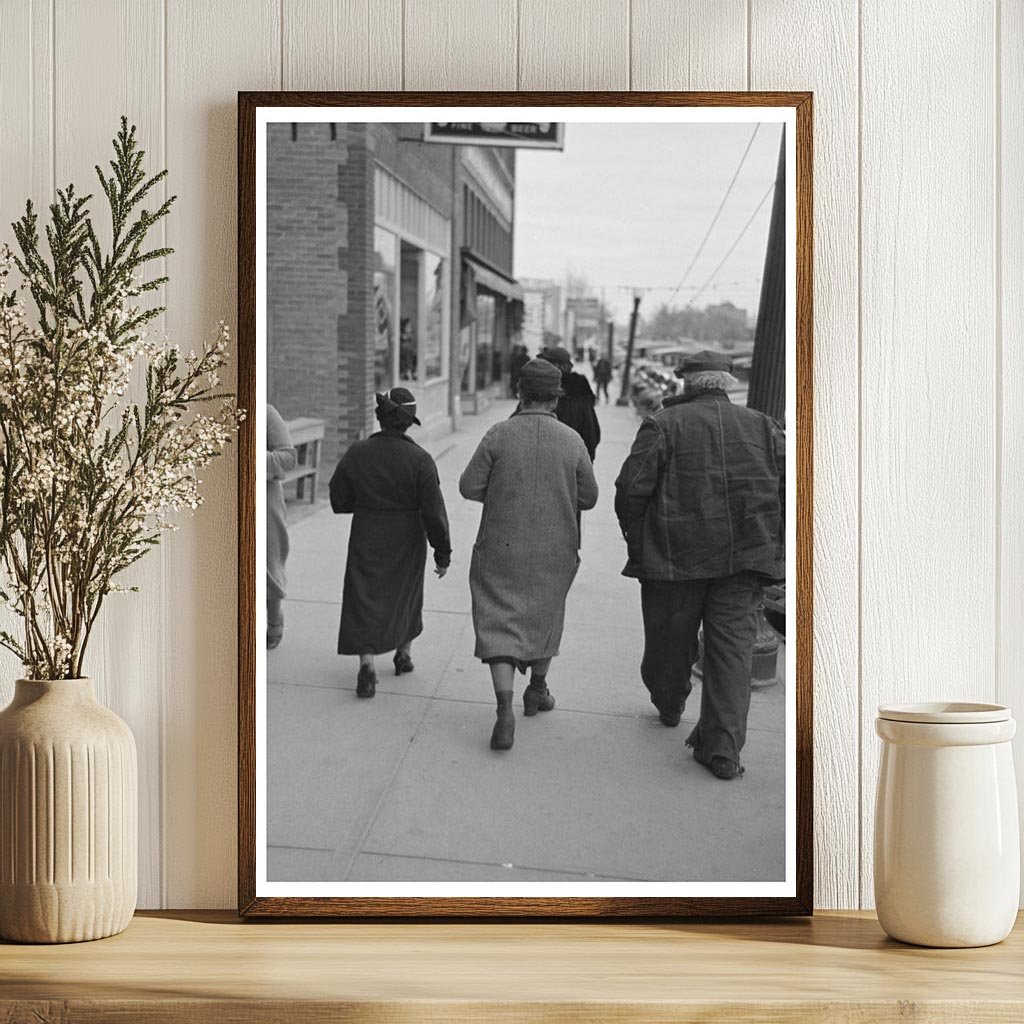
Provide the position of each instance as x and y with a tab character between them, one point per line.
718	213
739	237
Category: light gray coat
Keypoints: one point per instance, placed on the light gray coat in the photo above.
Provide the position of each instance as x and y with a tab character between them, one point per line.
280	459
533	475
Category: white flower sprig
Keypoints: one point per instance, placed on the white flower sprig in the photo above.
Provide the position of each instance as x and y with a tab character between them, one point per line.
89	477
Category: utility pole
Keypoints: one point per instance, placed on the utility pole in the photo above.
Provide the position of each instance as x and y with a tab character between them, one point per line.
611	340
767	391
623	398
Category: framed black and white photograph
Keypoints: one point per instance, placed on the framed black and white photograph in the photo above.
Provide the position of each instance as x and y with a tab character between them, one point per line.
525	504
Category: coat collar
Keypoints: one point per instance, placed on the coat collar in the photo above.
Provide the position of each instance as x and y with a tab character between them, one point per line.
533	412
387	434
705	396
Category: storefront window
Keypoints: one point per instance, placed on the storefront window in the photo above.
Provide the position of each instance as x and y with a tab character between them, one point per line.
433	307
384	260
485	350
408	325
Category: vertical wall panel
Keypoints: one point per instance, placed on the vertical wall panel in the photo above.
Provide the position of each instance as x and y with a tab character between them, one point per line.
574	44
345	44
123	658
26	102
213	51
832	74
468	45
1010	178
928	515
689	44
26	171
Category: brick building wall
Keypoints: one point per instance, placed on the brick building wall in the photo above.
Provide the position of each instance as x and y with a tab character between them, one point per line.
319	251
355	329
320	258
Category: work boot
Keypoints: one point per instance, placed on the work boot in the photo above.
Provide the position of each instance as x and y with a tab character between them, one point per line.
721	767
366	681
504	732
537	696
671	718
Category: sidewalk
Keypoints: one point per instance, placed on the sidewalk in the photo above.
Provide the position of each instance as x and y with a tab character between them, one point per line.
405	788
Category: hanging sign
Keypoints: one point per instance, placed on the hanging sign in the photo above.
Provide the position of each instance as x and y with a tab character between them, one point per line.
525	135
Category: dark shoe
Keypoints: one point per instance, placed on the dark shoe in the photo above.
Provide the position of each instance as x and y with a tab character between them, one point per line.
403	662
537	697
720	767
275	630
670	711
366	682
504	732
505	727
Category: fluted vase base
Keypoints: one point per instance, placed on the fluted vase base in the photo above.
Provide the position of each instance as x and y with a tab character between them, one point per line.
68	815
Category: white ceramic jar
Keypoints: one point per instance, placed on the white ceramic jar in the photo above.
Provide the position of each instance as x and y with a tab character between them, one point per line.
947	846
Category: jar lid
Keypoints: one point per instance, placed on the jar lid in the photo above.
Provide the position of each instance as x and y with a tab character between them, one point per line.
945	713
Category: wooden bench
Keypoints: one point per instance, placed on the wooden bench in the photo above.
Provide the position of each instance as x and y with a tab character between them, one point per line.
306	434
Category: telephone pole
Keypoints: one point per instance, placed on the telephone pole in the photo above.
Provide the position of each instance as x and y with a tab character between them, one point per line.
623	398
768	373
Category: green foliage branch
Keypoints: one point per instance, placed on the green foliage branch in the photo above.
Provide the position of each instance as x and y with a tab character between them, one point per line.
102	429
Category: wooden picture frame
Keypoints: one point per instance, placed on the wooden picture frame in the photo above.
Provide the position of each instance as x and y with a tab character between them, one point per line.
254	903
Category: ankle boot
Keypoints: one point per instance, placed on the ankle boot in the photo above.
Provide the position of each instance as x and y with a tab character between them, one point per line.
505	727
366	681
537	696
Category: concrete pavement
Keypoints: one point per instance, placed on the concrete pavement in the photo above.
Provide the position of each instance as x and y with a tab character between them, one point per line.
405	788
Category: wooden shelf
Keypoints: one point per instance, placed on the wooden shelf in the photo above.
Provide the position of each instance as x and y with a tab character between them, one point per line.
206	967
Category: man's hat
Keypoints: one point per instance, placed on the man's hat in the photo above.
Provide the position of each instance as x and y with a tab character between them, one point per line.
706	360
540	377
556	354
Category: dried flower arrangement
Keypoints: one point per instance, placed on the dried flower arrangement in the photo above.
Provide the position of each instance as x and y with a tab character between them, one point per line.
90	476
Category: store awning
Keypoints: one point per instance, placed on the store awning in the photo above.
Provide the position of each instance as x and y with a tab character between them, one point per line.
491	280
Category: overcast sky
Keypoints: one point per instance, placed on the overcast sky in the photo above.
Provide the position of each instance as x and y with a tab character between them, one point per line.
628	204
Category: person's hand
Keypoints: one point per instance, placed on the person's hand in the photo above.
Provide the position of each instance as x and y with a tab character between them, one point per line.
440	571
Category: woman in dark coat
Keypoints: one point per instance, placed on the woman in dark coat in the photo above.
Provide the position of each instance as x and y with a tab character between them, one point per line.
533	475
576	404
391	486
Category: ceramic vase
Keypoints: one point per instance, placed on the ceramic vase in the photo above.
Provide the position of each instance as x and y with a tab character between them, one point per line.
947	846
68	815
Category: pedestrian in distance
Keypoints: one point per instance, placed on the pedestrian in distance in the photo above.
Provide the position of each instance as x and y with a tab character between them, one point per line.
701	503
576	405
603	376
391	487
281	458
519	358
534	476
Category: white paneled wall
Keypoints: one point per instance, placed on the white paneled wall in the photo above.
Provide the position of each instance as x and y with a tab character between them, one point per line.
919	325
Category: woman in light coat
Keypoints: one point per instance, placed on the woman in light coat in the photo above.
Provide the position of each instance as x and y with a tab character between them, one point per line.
533	475
280	459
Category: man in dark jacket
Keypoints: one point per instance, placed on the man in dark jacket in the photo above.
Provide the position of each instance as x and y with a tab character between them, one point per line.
576	406
701	503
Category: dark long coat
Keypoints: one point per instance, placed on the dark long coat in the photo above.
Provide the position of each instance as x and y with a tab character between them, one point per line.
390	485
533	476
576	409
